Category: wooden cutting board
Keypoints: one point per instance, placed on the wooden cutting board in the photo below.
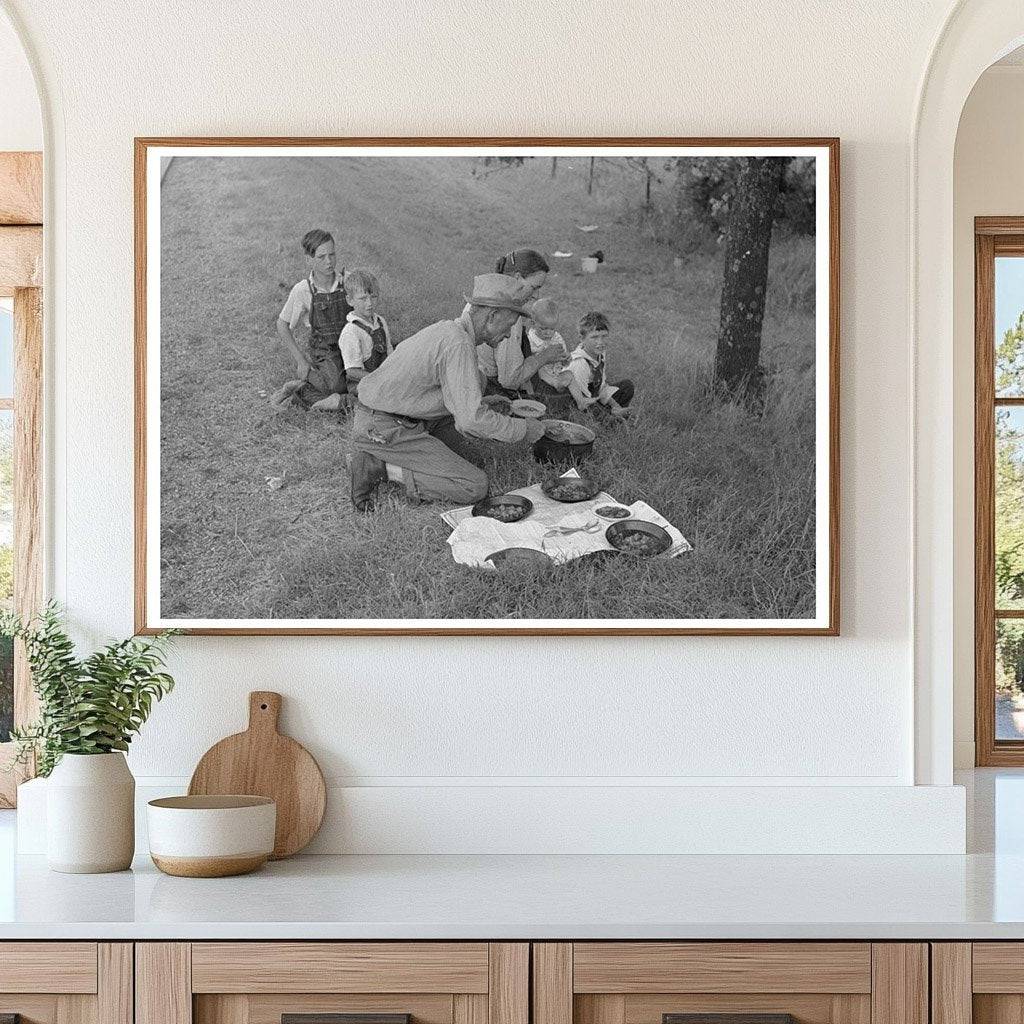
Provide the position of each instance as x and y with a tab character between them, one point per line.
262	762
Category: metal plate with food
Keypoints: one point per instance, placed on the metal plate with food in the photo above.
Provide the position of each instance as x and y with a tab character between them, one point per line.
568	432
570	489
528	409
613	512
506	508
520	558
638	537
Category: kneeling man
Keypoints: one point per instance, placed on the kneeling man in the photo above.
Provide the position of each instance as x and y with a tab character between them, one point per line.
414	408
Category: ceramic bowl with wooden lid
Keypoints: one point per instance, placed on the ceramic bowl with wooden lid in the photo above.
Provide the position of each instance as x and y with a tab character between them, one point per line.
211	836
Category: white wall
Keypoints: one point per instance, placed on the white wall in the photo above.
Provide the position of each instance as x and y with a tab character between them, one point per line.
988	181
21	124
444	713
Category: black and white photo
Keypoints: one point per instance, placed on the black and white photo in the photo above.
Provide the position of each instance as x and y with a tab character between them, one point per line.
450	386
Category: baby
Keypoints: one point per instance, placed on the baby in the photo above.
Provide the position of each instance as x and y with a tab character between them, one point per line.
542	335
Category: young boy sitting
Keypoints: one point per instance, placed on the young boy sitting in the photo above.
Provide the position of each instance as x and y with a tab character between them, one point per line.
316	303
365	340
587	365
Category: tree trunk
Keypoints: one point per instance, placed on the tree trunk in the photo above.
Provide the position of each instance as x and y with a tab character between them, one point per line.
590	178
554	166
748	238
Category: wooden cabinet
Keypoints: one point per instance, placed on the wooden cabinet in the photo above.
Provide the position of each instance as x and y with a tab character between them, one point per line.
493	983
259	982
980	982
815	982
66	982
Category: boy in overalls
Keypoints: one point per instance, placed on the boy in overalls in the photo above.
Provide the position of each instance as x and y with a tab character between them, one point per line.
365	340
318	302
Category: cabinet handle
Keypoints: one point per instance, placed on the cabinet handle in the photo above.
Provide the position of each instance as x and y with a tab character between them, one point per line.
728	1018
337	1018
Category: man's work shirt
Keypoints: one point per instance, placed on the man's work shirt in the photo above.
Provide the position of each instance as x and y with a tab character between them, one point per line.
434	373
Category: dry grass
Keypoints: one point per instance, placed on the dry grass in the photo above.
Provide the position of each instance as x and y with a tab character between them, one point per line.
740	486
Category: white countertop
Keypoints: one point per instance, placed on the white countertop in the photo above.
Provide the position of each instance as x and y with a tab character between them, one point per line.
978	896
532	897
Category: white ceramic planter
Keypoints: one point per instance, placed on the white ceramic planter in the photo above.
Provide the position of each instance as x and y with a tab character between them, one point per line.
90	814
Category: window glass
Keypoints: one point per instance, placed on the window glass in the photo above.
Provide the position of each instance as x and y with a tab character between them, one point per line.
1009	679
6	348
6	567
1009	486
1009	327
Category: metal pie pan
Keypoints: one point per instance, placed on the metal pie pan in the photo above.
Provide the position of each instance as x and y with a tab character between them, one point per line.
524	504
626	526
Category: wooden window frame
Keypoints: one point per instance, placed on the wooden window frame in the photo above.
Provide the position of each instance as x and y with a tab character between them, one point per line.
21	277
993	236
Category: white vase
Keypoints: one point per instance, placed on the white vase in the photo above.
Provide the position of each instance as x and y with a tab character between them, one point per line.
90	814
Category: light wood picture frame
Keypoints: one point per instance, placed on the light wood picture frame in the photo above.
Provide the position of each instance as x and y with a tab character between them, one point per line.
216	555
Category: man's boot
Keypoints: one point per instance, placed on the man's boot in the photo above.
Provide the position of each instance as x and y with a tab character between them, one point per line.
365	472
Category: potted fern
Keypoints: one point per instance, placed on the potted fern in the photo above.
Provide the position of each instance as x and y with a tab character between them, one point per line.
89	710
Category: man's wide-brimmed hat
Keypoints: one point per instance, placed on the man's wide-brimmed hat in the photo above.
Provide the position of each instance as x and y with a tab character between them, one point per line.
499	291
544	313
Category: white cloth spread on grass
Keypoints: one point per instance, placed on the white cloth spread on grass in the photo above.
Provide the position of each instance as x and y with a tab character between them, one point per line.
474	538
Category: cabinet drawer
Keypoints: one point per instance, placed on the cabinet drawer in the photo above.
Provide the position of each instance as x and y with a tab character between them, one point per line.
261	982
66	982
69	967
749	982
270	1009
340	967
998	967
980	982
635	967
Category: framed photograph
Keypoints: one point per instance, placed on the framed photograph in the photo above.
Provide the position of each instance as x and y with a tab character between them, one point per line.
487	386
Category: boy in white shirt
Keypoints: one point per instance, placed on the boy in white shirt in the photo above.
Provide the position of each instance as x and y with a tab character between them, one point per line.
365	340
589	371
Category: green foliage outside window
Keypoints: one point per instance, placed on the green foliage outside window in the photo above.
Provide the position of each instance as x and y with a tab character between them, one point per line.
1009	482
1009	508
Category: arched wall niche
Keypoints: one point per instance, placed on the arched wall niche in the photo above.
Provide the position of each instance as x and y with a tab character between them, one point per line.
975	35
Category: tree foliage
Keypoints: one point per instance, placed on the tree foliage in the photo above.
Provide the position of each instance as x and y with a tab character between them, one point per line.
1009	467
91	705
1010	360
1009	505
6	688
705	187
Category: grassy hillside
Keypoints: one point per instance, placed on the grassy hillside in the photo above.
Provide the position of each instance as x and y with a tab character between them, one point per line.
739	486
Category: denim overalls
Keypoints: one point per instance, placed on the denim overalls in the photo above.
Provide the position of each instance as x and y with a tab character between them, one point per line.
326	376
380	347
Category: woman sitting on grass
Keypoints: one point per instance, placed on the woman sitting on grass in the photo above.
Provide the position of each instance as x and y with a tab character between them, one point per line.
510	368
